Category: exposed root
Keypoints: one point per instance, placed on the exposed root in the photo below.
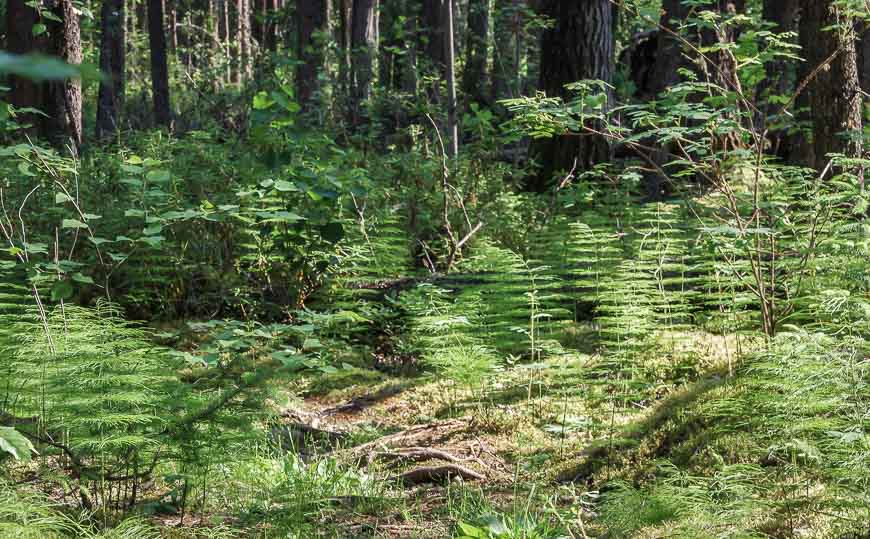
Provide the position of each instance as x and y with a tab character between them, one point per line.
438	474
412	454
417	436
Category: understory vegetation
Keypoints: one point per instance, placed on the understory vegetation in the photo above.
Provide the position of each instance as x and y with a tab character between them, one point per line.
312	305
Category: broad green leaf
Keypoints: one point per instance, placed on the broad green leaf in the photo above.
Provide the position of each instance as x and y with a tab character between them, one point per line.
14	443
61	290
73	223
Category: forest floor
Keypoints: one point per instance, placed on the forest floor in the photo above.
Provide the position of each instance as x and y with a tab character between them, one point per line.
507	449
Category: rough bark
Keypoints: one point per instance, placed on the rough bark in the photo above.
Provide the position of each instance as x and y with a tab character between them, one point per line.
578	46
474	78
64	99
363	47
834	90
244	39
159	69
111	94
312	18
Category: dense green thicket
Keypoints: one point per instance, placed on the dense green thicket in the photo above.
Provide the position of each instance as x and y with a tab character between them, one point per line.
670	342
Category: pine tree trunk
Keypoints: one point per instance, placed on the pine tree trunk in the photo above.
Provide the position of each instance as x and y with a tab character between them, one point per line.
474	78
111	94
834	91
312	18
343	39
159	69
579	46
669	50
362	56
432	33
64	98
864	56
245	52
20	18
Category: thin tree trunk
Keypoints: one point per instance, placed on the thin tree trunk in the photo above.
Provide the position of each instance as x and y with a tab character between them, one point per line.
343	39
312	18
362	54
474	78
450	56
834	91
112	56
245	53
271	37
409	59
169	6
159	69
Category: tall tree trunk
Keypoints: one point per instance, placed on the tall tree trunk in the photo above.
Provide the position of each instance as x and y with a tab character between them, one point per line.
343	39
245	53
720	65
64	98
669	56
834	91
20	18
578	46
432	33
408	69
172	11
450	57
474	78
508	34
312	18
111	95
864	56
159	69
363	48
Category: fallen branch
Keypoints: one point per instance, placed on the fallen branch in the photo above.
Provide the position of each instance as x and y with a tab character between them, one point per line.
437	474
